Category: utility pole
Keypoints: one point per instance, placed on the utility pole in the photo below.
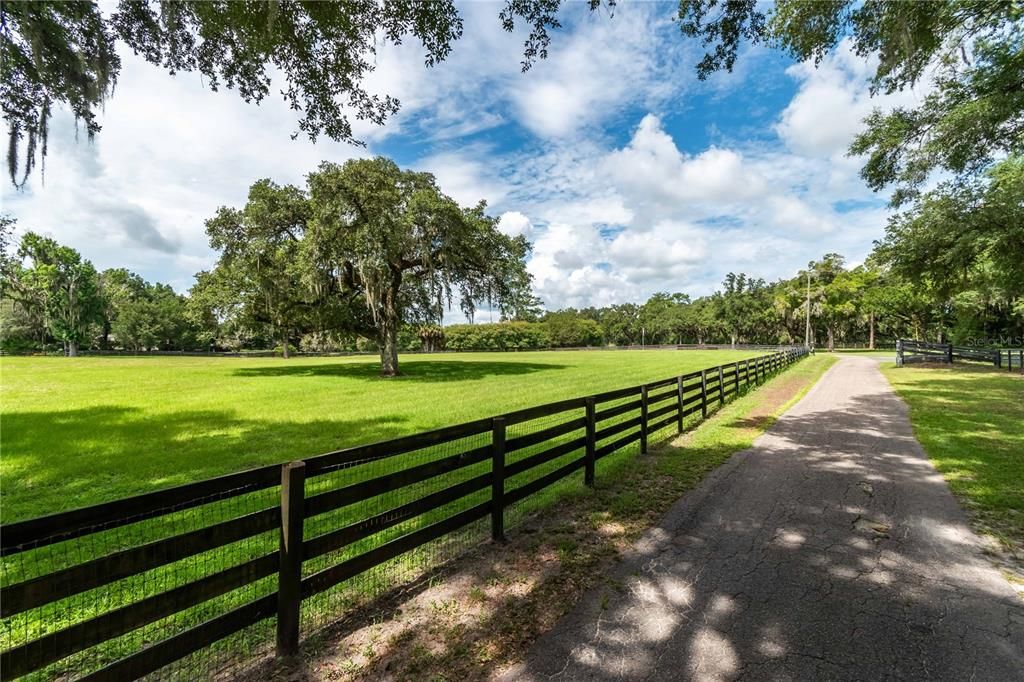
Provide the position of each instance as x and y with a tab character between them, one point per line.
807	329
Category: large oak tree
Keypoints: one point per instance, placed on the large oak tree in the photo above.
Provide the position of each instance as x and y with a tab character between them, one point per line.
390	238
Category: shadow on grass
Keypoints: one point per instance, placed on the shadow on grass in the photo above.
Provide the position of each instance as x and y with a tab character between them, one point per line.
56	460
411	370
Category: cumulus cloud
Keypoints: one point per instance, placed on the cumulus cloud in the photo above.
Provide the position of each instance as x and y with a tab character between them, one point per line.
832	102
515	224
606	64
652	169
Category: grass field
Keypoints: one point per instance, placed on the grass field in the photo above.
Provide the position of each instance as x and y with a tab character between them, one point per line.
970	421
80	431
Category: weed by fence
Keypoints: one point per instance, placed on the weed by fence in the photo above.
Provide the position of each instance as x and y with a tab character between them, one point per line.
186	580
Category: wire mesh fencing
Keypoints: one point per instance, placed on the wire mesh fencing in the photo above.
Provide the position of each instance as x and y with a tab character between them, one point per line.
73	605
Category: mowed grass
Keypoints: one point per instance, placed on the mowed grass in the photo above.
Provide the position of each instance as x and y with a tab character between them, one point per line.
970	421
81	431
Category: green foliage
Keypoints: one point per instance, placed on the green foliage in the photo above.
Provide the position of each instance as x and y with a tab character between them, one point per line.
56	286
259	271
63	53
964	234
568	329
392	240
500	336
51	53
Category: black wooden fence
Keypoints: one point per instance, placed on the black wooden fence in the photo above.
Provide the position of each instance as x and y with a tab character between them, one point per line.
124	589
908	352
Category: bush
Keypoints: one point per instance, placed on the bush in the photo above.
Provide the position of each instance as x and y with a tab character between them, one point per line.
568	330
500	336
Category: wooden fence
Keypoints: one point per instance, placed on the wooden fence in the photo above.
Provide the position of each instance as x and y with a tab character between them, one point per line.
908	352
290	506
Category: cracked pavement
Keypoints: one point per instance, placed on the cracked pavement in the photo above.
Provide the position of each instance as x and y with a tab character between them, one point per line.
830	550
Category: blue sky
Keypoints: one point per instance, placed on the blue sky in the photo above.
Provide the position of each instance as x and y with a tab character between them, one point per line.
628	174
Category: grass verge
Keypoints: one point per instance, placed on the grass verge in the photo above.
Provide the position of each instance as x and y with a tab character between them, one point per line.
970	421
483	614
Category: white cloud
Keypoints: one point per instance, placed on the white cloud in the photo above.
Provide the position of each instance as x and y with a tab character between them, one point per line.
464	178
605	64
514	224
832	102
653	170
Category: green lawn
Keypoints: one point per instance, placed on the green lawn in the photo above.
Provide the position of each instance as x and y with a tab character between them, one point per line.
970	421
81	431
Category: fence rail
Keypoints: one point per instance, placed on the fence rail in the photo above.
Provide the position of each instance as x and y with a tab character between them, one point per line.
908	352
260	544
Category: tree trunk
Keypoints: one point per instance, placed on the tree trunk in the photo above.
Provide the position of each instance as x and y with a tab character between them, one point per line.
389	349
831	340
72	349
284	344
732	337
871	331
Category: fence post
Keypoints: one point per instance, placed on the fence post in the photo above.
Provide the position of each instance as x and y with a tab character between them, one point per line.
679	399
736	379
498	479
703	394
588	464
289	575
949	353
643	419
721	386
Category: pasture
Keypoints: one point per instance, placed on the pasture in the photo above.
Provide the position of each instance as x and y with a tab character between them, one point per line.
81	431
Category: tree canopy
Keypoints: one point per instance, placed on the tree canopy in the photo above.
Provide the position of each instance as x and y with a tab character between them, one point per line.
391	238
970	50
64	53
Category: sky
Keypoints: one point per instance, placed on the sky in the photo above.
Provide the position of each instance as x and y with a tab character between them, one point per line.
627	174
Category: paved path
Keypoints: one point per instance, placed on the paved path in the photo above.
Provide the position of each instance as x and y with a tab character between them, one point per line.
831	550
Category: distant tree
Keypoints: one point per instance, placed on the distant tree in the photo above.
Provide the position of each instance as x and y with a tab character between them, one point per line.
621	324
119	288
390	239
661	317
259	258
58	285
699	320
431	337
568	329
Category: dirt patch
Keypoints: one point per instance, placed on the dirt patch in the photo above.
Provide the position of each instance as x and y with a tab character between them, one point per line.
480	616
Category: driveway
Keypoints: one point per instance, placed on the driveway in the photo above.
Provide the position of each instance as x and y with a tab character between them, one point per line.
831	550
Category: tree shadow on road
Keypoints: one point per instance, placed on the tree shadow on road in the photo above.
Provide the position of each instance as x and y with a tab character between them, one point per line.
832	562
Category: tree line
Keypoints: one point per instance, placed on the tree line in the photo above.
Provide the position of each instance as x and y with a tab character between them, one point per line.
299	271
365	250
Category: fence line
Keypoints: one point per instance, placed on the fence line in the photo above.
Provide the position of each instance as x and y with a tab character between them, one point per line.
908	351
123	589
